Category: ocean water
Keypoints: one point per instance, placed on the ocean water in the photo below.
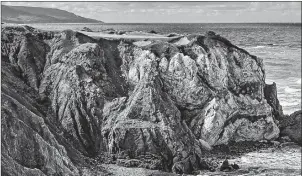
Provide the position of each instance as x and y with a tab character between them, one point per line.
282	161
279	45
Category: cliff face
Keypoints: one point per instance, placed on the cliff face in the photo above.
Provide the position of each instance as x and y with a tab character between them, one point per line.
161	105
29	144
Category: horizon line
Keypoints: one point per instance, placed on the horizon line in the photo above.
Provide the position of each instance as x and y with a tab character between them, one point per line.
168	23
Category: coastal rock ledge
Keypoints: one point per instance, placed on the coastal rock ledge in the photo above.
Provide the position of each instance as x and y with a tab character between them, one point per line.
68	98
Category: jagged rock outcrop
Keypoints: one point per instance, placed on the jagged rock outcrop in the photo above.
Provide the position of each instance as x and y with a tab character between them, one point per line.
28	145
32	142
70	82
157	106
26	51
270	93
291	126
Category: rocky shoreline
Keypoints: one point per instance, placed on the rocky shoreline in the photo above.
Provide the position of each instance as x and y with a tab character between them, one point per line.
82	102
215	157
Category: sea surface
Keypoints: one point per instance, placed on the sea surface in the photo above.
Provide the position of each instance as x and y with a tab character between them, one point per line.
282	161
279	45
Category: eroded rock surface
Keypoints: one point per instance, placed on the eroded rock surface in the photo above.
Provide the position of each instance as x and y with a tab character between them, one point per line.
270	93
28	144
158	105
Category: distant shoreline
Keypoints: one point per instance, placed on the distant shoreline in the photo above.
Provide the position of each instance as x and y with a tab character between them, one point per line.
161	23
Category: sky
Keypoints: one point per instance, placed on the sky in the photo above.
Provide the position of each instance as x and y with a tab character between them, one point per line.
179	12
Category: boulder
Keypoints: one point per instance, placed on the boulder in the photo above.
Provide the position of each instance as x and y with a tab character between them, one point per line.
172	35
86	29
210	33
225	166
205	145
235	166
152	32
121	32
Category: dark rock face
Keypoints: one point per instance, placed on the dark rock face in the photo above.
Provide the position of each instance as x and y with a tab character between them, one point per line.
153	32
291	126
158	106
235	166
270	93
225	166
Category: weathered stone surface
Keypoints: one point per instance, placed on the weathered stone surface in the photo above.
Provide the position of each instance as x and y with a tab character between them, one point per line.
291	126
72	86
27	52
32	142
28	146
156	106
270	93
215	94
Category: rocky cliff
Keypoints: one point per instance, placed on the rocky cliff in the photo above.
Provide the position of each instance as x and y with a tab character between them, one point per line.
67	97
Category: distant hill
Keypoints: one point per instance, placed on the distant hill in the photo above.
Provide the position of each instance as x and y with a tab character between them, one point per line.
23	14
